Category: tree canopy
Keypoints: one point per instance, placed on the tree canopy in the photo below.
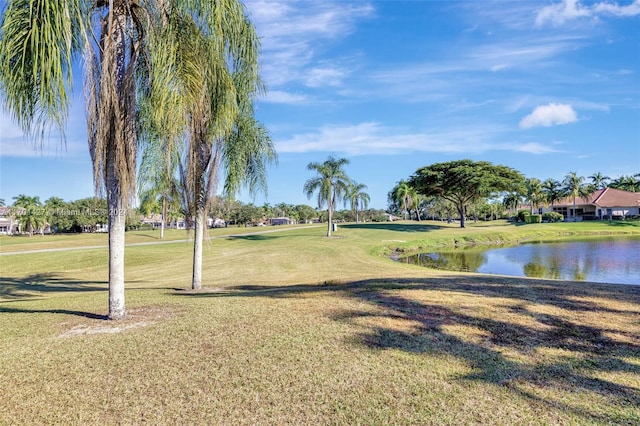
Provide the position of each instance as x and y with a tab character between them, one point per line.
464	181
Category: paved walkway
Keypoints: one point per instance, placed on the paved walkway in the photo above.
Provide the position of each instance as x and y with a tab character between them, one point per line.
151	243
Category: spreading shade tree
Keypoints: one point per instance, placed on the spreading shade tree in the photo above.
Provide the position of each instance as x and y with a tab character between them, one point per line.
39	41
464	181
331	183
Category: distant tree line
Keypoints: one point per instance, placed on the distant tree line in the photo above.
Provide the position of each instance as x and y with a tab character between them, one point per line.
480	190
84	215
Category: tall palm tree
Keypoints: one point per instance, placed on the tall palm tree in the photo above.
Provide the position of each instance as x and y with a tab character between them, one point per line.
358	199
331	183
599	181
535	193
115	37
575	187
212	71
552	191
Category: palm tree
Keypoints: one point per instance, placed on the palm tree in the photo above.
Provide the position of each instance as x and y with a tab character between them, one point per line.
331	183
534	193
627	183
552	191
32	215
406	197
511	201
214	85
157	181
357	198
599	181
116	37
574	187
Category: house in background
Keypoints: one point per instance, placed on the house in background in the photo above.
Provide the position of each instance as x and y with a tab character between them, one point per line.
8	221
281	221
608	203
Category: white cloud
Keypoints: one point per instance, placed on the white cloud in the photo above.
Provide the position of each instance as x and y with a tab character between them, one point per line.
535	148
282	97
371	138
294	33
568	10
632	9
499	67
324	76
549	115
559	13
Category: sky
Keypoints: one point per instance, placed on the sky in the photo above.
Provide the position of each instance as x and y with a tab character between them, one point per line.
544	87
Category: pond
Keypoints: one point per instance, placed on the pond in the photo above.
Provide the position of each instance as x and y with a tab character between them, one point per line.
598	260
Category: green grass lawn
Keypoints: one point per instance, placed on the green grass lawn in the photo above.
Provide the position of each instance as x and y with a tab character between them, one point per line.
296	328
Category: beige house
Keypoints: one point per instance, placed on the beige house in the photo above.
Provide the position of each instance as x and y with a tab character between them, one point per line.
608	203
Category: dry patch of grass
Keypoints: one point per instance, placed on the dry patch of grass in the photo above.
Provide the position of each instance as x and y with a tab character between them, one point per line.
140	317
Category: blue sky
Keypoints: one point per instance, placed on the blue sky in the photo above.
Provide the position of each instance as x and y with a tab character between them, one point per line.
543	87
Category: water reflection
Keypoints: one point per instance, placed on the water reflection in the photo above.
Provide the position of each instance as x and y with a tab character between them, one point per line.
608	261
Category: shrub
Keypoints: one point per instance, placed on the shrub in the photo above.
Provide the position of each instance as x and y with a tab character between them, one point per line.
552	217
522	215
534	218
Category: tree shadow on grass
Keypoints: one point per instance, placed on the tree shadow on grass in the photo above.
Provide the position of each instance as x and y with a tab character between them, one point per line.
547	342
394	226
621	223
254	237
90	315
497	357
31	285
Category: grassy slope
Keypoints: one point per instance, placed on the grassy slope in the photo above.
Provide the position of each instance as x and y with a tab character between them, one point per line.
304	329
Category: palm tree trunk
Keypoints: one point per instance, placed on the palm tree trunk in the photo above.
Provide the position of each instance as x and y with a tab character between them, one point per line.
163	218
117	219
198	239
329	214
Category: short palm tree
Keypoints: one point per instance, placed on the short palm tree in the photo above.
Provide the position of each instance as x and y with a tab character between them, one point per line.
406	197
574	187
331	183
157	180
511	201
358	199
31	215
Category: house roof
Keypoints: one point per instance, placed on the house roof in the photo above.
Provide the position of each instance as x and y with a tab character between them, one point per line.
607	197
